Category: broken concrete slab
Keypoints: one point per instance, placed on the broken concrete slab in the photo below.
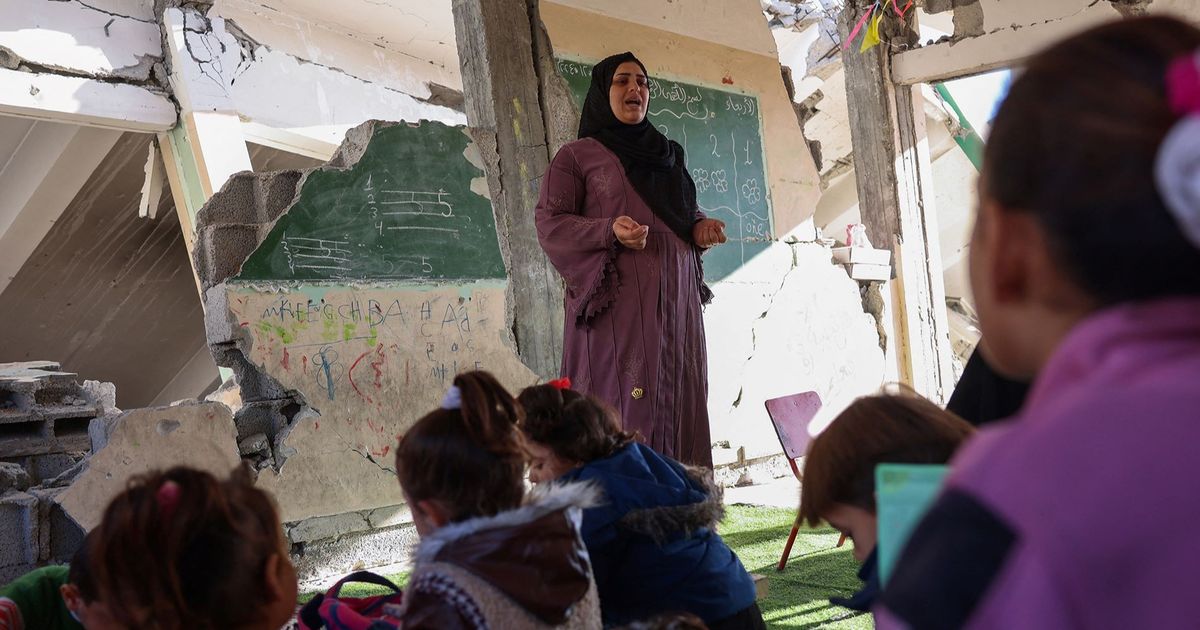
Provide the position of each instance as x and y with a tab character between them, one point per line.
58	535
320	561
13	477
389	516
199	435
328	527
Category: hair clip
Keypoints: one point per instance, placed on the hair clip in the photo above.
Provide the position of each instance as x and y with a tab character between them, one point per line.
1177	167
561	383
452	399
168	498
1183	85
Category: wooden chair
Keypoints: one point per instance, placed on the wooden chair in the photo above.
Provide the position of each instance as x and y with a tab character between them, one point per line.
790	416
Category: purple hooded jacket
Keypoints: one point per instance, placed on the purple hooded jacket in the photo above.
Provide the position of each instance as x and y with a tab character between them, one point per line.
1083	512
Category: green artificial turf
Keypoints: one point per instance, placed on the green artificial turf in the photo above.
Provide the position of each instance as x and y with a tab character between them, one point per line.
796	598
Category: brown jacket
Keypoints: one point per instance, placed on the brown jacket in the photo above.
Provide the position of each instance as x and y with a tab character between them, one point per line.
522	569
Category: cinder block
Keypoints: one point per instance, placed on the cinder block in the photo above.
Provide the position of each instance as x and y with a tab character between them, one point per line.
222	249
18	529
13	476
47	467
58	535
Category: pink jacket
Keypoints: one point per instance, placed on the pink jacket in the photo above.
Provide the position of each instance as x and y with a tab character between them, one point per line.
1084	511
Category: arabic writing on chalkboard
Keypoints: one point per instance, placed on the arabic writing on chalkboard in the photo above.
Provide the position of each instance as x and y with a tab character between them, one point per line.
720	132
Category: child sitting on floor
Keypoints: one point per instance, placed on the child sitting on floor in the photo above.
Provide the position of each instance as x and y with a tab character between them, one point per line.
56	597
1082	512
653	538
488	557
839	468
182	549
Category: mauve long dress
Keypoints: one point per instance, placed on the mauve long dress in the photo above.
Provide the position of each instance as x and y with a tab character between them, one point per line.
634	334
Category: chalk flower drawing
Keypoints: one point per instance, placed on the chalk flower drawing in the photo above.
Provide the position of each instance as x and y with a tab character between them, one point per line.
751	191
720	181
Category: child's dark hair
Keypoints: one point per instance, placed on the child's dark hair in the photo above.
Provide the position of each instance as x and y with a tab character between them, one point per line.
1075	144
899	428
576	427
183	549
79	572
470	459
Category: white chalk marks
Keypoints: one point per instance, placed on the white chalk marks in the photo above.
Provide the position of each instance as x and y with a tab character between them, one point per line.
326	255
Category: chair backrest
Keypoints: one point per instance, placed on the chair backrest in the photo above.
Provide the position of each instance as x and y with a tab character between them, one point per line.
791	415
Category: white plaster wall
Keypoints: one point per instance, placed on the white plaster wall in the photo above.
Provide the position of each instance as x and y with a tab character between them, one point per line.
1002	14
76	38
279	90
788	322
400	45
734	23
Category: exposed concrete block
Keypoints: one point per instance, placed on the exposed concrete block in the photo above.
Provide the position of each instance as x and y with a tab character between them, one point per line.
389	516
103	394
99	430
263	417
47	467
328	527
13	477
58	535
255	444
200	435
318	561
255	385
18	529
222	248
218	328
252	198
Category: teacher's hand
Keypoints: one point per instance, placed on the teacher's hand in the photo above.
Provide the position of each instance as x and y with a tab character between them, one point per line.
708	232
630	233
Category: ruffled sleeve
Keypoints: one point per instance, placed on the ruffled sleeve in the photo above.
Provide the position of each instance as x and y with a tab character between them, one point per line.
582	249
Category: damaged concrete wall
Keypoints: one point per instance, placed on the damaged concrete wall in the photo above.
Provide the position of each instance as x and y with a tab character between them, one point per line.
78	39
787	322
280	90
331	372
407	47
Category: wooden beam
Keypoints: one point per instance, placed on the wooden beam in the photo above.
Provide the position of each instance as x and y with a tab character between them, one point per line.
152	185
48	169
895	190
502	93
1003	48
287	140
84	101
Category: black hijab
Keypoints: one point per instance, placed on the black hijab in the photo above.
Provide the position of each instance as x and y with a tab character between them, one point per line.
653	163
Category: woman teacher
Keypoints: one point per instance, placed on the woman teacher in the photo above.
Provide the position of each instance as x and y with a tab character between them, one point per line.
618	218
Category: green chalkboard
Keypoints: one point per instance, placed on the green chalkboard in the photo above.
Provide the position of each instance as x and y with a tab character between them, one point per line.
405	211
721	133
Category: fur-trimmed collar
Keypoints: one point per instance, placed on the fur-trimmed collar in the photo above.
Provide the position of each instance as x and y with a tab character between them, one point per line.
666	522
542	500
